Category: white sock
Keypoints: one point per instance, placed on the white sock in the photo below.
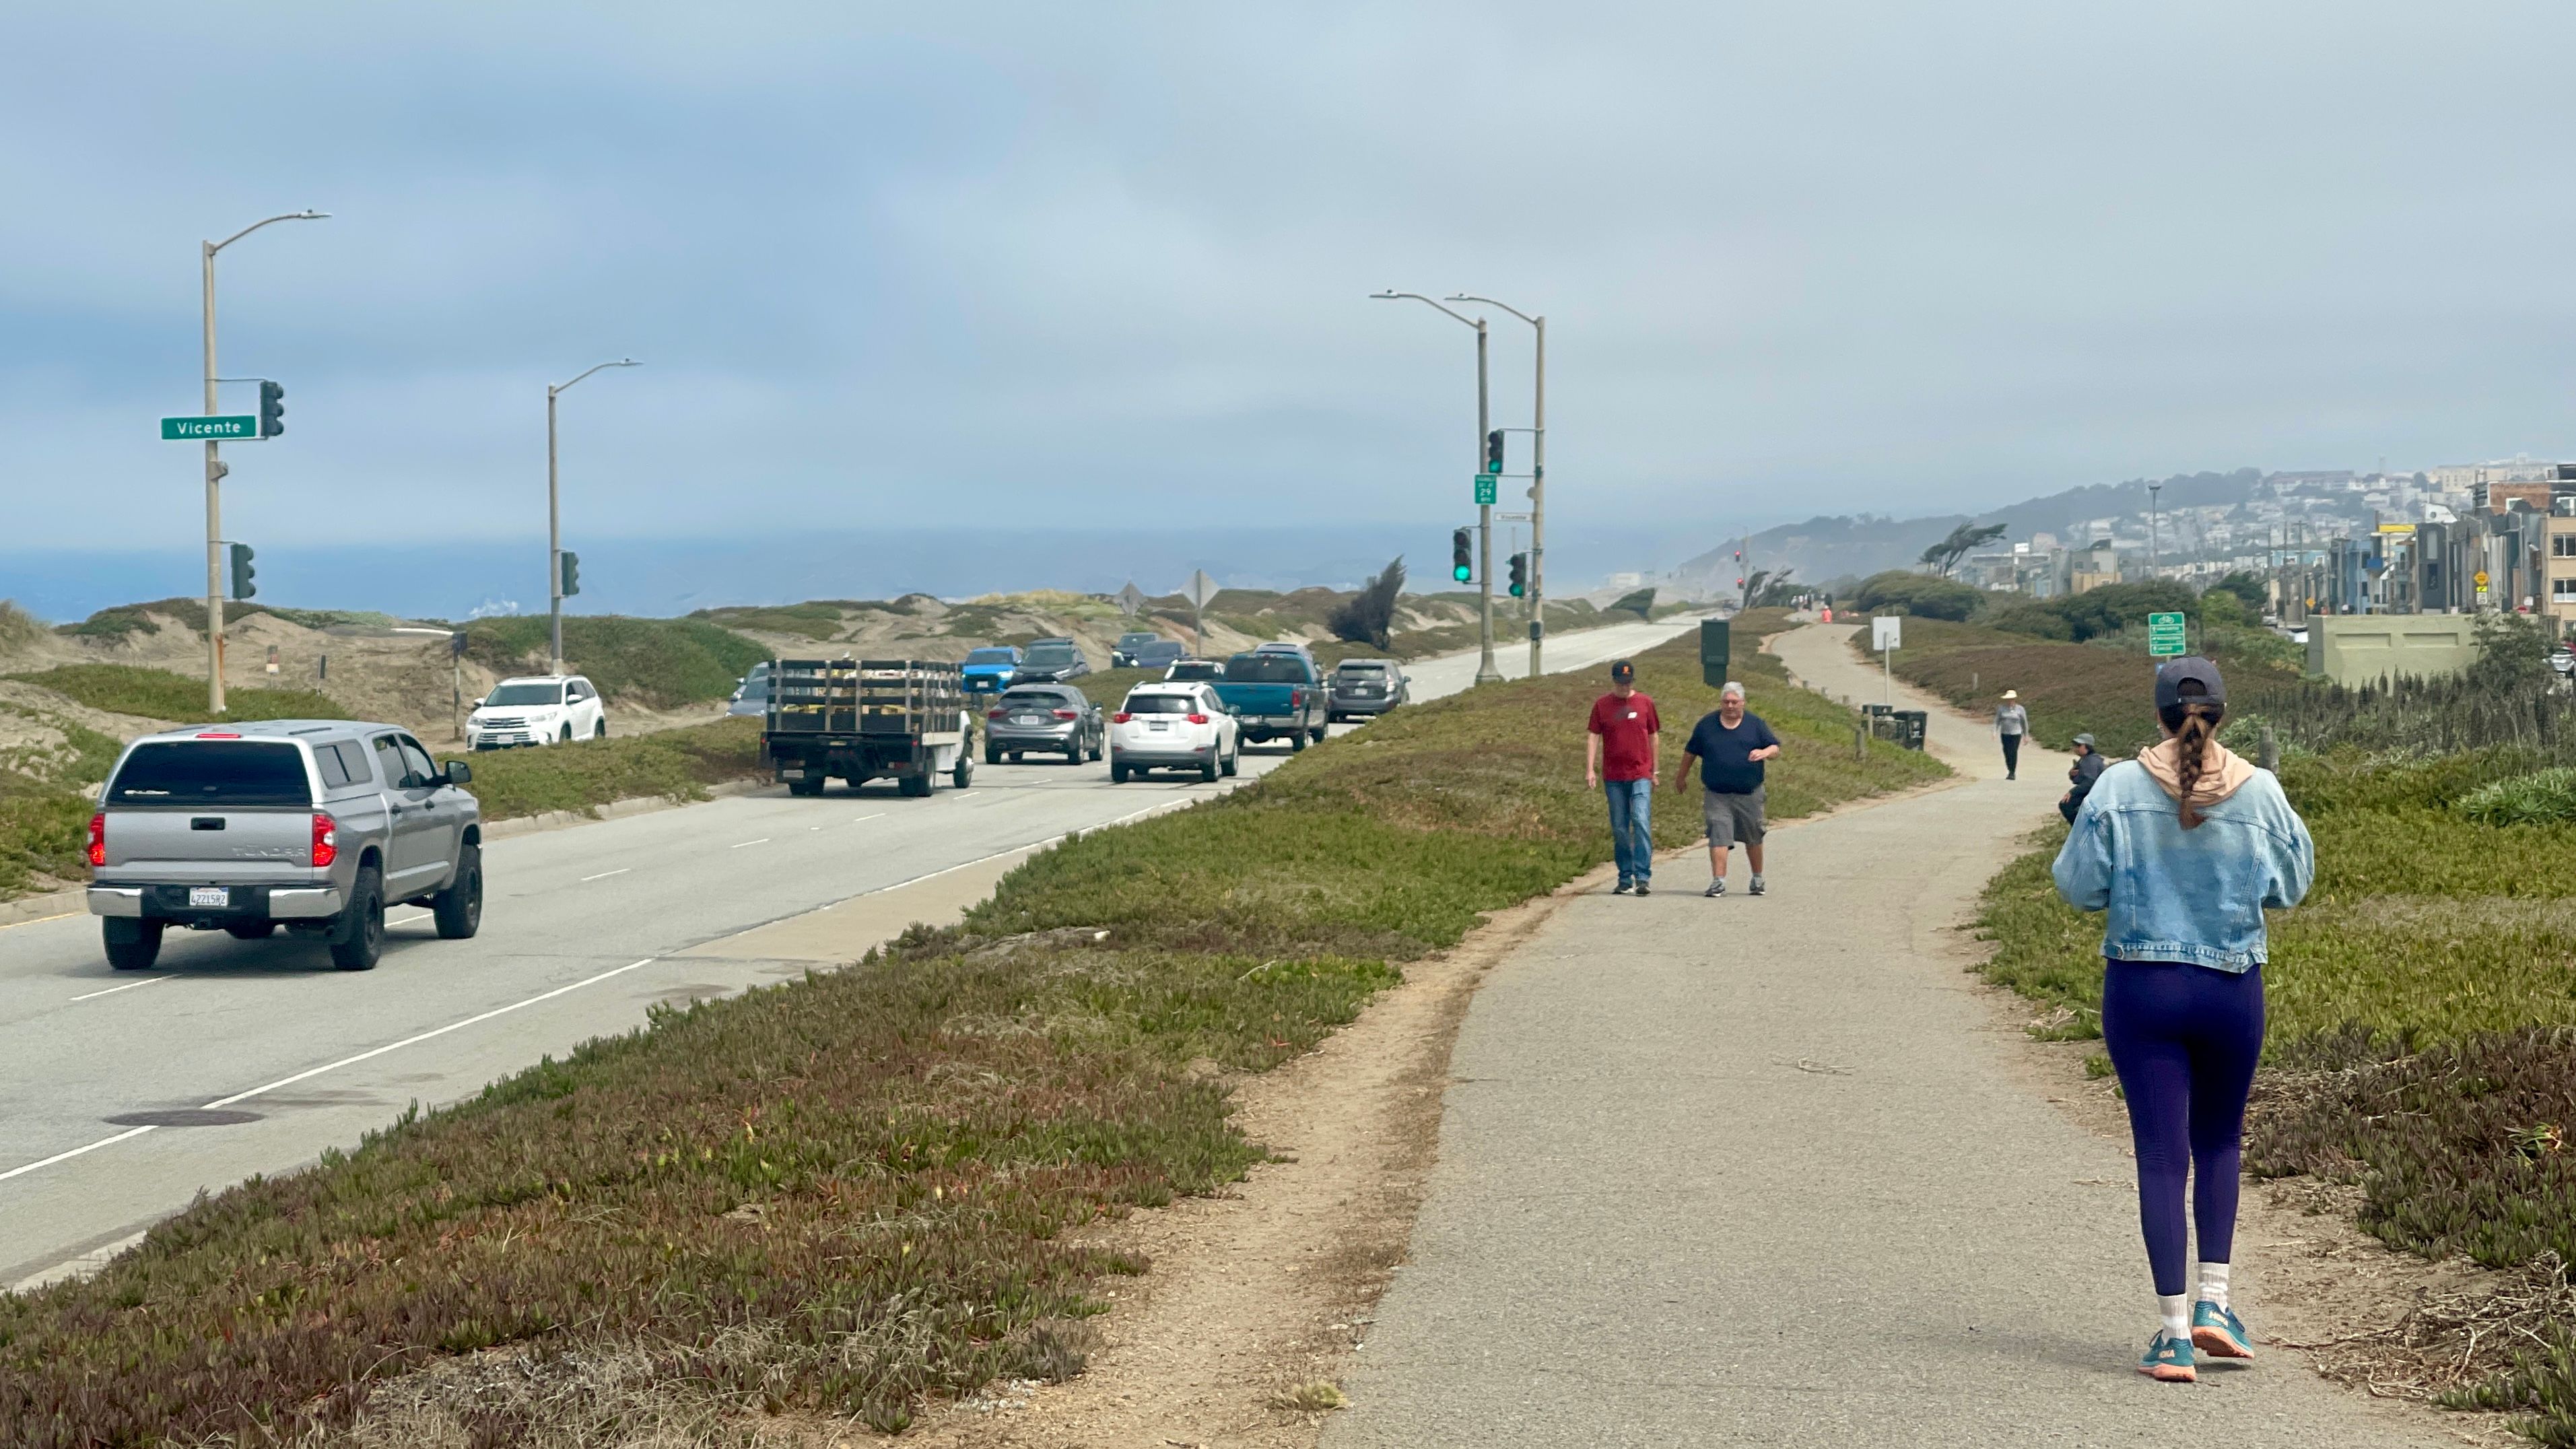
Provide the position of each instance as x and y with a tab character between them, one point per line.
2213	1284
2174	1309
1757	877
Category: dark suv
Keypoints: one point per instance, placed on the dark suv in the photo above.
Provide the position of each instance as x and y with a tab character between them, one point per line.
1044	719
1050	661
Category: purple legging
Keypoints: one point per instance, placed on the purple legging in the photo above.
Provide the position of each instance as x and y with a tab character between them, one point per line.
2184	1040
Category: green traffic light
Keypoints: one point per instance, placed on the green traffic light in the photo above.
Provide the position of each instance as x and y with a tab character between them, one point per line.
1462	573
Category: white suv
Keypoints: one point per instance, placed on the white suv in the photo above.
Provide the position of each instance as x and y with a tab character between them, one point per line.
1173	725
541	709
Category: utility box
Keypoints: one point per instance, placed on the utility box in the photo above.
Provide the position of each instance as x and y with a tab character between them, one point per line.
1712	651
1910	726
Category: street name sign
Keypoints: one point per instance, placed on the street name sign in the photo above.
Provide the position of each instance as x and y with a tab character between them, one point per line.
1486	487
2164	635
244	427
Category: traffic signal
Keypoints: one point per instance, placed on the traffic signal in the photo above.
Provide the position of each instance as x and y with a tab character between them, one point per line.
1494	451
272	410
1520	575
1462	566
243	573
571	573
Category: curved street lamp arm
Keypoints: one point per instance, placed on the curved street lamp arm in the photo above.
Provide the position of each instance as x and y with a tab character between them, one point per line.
1506	306
585	372
1425	301
214	247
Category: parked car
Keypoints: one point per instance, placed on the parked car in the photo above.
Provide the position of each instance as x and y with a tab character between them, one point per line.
1173	727
1050	661
1275	694
541	709
1161	654
1044	719
1195	669
751	694
1122	655
988	670
308	824
1359	687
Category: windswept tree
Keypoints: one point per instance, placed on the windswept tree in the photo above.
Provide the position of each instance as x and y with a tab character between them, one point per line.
1766	589
1963	540
1368	617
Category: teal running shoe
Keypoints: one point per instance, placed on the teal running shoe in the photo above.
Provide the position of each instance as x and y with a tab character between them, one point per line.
2219	1333
2169	1360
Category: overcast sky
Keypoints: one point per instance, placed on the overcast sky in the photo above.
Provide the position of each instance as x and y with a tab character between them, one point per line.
1056	265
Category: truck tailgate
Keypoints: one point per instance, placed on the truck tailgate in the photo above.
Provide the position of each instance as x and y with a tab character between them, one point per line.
250	845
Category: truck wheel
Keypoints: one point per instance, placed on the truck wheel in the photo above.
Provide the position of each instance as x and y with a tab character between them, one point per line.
359	939
132	944
1297	743
459	908
913	786
1319	732
964	774
251	930
1015	757
811	785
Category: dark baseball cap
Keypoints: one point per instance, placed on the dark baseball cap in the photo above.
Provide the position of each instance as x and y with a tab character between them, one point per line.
2171	678
1623	671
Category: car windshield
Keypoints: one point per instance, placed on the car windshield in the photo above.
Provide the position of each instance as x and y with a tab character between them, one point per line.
1362	666
1265	669
989	656
1197	669
526	694
1162	704
1131	641
1035	698
212	772
1048	656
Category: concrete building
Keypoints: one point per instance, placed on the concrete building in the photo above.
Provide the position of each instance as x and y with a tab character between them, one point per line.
2371	648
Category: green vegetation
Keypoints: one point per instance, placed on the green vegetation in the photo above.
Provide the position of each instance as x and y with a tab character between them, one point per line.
1925	596
160	694
1107	687
667	764
2543	797
43	814
116	623
851	1192
656	663
816	619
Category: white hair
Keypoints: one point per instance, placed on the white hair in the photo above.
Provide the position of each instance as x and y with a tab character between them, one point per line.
1730	687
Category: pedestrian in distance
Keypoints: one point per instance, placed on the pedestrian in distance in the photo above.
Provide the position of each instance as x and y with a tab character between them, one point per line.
1619	757
2080	777
2011	723
2183	848
1730	746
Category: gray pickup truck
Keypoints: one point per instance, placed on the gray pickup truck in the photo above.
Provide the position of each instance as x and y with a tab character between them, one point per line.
308	824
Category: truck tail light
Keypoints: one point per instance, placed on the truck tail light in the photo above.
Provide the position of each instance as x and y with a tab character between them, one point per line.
1296	699
1198	719
326	839
98	839
1121	717
1066	714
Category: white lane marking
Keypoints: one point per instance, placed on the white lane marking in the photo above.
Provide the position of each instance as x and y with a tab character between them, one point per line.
432	1034
605	874
406	920
880	815
128	986
40	920
739	844
75	1152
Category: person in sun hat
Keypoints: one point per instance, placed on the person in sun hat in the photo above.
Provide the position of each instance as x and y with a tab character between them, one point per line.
2011	723
2184	848
1619	759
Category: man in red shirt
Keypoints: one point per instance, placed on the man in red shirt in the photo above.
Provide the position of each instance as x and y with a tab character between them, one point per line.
1619	756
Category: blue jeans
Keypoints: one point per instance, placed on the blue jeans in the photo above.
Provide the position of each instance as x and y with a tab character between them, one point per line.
1632	827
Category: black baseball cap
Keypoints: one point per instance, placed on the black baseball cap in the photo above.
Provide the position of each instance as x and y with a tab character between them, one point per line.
1623	671
2170	680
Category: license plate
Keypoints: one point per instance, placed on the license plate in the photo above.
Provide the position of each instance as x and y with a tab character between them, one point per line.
1157	725
1029	719
219	897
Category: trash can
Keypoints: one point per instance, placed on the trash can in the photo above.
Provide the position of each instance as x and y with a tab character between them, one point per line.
1910	724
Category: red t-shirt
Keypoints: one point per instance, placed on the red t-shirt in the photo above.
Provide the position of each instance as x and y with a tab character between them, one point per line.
1627	728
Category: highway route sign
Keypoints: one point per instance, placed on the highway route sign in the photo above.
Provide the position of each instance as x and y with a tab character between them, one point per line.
2164	635
1200	589
1487	487
198	429
1130	598
1887	631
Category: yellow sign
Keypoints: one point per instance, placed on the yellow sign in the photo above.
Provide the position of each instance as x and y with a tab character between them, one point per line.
2479	578
2403	530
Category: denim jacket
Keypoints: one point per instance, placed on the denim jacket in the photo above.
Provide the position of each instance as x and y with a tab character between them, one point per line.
2184	895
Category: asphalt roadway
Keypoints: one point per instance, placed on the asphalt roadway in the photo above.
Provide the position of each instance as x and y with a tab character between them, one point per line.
1764	1172
122	1095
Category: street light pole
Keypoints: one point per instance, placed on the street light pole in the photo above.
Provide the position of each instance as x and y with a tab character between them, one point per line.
1486	673
554	523
1538	483
2153	489
215	469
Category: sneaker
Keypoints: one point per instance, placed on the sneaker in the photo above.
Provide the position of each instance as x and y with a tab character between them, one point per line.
1641	889
1622	888
1756	888
2219	1333
2169	1360
1715	888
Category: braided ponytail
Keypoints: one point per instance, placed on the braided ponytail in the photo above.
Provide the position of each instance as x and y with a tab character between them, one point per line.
2194	723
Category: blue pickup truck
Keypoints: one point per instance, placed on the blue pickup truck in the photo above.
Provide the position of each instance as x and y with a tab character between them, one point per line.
988	670
1275	693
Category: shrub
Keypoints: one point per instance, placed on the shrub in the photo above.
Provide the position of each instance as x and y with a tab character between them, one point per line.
657	663
2545	798
2114	607
1368	617
1899	591
2247	589
2015	614
160	694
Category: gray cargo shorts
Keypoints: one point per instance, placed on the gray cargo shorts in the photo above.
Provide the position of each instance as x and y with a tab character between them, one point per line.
1733	819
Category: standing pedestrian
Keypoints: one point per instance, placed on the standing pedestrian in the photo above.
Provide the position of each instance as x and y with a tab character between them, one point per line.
2080	777
2184	848
2011	723
1730	746
1619	757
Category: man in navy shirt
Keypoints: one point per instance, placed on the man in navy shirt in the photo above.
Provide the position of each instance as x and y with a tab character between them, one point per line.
1730	746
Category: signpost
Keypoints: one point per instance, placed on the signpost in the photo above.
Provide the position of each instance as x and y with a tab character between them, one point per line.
1486	486
200	429
1886	633
1131	598
2480	579
2164	635
1199	590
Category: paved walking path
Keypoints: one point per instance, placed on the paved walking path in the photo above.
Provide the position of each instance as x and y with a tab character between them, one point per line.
1737	1171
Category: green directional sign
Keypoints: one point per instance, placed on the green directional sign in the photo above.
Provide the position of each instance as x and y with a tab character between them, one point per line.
2164	635
209	429
1486	485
